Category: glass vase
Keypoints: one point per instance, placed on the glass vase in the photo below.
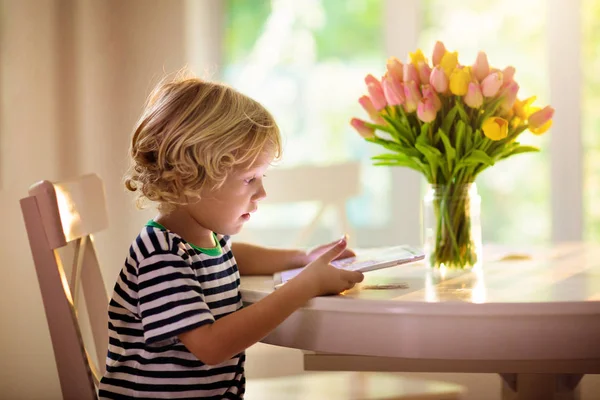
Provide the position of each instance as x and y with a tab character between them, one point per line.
452	227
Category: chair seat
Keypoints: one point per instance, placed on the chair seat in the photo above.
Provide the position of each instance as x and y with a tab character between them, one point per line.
350	385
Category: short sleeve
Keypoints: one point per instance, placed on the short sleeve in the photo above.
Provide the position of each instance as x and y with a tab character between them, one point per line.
171	300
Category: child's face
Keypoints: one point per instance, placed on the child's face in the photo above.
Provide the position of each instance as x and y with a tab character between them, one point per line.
226	210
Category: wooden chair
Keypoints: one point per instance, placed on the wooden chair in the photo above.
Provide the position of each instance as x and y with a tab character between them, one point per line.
67	214
351	386
61	217
331	186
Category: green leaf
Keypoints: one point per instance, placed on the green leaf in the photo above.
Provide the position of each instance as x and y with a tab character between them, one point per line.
383	128
424	167
388	156
398	160
450	151
403	135
403	118
395	147
489	110
428	151
459	134
485	143
479	157
463	130
461	111
432	155
479	140
520	150
449	119
425	129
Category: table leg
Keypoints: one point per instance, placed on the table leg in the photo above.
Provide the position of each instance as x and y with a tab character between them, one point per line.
540	386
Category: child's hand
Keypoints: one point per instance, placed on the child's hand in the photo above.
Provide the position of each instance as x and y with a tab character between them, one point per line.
322	278
313	254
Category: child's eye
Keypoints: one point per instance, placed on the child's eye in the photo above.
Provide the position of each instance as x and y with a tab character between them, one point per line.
248	181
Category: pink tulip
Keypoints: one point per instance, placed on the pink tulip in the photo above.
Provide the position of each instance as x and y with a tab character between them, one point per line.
508	75
510	95
429	93
367	104
438	52
395	68
491	84
393	90
371	79
377	96
426	110
424	71
474	97
438	80
481	68
362	128
540	117
411	73
412	96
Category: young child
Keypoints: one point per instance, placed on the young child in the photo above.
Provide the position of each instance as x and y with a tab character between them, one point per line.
176	323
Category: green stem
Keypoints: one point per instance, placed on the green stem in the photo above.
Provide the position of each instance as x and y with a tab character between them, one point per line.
454	245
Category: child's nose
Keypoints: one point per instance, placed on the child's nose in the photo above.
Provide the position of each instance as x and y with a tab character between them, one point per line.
260	194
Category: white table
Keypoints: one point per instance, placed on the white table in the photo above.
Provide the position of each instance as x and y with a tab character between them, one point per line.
535	321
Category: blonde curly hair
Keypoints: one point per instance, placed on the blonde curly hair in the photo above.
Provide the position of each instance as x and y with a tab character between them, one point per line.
190	135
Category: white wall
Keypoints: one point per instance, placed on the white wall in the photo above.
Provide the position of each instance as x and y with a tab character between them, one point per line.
73	80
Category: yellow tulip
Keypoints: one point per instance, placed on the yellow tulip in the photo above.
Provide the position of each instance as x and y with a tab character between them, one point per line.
449	62
417	57
540	121
539	117
459	81
495	128
516	122
522	108
542	129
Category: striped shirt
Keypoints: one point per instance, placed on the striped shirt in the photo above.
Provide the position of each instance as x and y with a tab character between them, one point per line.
169	286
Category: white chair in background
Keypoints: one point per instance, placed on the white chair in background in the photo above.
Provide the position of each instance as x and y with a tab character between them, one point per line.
330	186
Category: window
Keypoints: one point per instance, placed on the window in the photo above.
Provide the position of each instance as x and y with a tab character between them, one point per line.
590	118
306	62
511	32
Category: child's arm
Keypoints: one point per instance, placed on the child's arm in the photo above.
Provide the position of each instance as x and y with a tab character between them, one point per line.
230	335
258	260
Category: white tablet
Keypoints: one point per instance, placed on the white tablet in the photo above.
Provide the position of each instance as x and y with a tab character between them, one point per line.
368	260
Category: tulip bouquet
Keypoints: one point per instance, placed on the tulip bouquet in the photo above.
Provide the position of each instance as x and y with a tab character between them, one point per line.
449	122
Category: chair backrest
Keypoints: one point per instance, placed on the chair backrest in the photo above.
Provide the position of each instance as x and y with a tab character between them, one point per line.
330	186
61	216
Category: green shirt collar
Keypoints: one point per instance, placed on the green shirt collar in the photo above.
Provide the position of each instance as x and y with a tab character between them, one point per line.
213	251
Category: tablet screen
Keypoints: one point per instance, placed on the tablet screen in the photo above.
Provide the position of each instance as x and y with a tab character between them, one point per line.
368	260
